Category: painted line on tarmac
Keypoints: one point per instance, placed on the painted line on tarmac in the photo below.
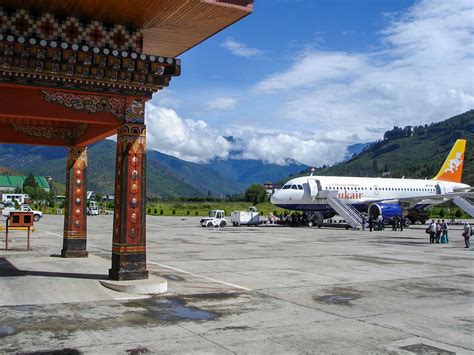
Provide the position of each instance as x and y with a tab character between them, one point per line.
201	276
175	269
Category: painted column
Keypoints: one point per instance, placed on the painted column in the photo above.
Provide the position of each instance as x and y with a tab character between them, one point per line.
75	211
129	235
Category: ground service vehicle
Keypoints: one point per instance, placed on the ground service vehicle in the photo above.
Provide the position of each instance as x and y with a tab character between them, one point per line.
250	217
216	218
37	215
93	209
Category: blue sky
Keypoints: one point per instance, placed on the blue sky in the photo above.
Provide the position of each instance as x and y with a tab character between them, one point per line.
302	79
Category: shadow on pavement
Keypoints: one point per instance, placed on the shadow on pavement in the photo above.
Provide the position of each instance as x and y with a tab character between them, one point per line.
7	269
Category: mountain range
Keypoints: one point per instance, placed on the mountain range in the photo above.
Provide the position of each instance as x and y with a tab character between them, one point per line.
166	175
411	151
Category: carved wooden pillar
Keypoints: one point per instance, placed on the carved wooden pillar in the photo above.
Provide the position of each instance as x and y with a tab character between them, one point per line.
75	211
129	235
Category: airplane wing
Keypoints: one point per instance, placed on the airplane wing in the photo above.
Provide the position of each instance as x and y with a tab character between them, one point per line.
427	199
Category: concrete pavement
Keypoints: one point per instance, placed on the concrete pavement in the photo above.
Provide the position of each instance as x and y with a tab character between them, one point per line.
242	290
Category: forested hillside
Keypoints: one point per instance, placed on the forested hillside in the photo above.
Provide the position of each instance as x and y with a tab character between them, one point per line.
412	151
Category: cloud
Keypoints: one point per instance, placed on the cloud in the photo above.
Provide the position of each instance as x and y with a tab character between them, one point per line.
422	72
240	49
195	141
222	103
323	101
190	140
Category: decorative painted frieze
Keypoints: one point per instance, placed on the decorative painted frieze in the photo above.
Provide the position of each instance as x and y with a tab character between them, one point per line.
29	61
71	30
88	103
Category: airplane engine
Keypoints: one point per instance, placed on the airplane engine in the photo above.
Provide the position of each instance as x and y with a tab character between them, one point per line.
387	210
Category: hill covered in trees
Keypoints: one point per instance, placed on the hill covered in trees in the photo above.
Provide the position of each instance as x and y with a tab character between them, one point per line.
412	151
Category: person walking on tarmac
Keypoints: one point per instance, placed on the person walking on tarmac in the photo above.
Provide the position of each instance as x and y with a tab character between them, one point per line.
444	232
438	231
467	234
371	222
380	225
432	231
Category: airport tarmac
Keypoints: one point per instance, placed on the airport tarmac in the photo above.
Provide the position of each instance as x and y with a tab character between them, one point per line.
255	290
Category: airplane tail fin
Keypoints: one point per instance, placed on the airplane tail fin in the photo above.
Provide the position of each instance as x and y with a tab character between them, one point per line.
452	167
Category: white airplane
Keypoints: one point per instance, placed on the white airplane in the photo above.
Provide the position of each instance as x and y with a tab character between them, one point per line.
327	195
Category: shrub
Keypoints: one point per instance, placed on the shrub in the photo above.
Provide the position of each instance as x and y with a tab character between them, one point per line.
173	212
149	210
187	213
155	211
161	212
458	214
442	213
197	213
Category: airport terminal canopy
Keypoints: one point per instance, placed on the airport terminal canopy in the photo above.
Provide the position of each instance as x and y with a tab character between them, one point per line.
75	72
110	46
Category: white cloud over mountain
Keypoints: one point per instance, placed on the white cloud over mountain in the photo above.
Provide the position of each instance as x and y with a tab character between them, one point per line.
421	72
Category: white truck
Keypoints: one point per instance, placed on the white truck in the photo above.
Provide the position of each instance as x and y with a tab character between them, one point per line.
216	218
20	198
247	218
37	215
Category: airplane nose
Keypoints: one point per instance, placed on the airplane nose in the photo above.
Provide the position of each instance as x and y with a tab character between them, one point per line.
274	199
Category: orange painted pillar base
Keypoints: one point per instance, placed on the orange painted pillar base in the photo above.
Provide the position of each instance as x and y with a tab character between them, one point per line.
75	211
129	234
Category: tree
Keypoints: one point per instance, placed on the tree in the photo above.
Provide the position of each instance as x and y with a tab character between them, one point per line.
30	181
256	193
458	214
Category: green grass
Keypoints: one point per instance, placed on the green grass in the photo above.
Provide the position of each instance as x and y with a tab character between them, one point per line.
202	208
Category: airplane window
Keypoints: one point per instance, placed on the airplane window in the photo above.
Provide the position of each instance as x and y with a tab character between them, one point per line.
293	187
286	187
300	187
370	188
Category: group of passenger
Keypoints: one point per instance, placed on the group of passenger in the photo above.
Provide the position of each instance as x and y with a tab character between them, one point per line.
295	219
438	232
377	223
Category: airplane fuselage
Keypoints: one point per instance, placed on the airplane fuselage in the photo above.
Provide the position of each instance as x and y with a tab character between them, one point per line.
301	193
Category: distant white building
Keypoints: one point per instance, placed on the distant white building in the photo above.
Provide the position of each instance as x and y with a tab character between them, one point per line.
271	188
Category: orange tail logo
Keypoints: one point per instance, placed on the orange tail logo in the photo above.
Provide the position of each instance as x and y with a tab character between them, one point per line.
452	167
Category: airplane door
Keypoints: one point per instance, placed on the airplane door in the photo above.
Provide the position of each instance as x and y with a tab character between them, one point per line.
313	187
376	189
438	189
318	184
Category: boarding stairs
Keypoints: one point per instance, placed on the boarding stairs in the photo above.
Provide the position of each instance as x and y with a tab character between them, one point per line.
344	209
465	204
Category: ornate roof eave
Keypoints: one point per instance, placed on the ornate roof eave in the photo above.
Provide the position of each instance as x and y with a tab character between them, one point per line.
50	63
171	27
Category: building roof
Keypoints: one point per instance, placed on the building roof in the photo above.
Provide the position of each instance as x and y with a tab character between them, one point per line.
169	27
12	181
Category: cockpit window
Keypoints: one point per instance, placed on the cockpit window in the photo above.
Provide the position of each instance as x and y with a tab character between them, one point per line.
293	187
300	187
286	187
